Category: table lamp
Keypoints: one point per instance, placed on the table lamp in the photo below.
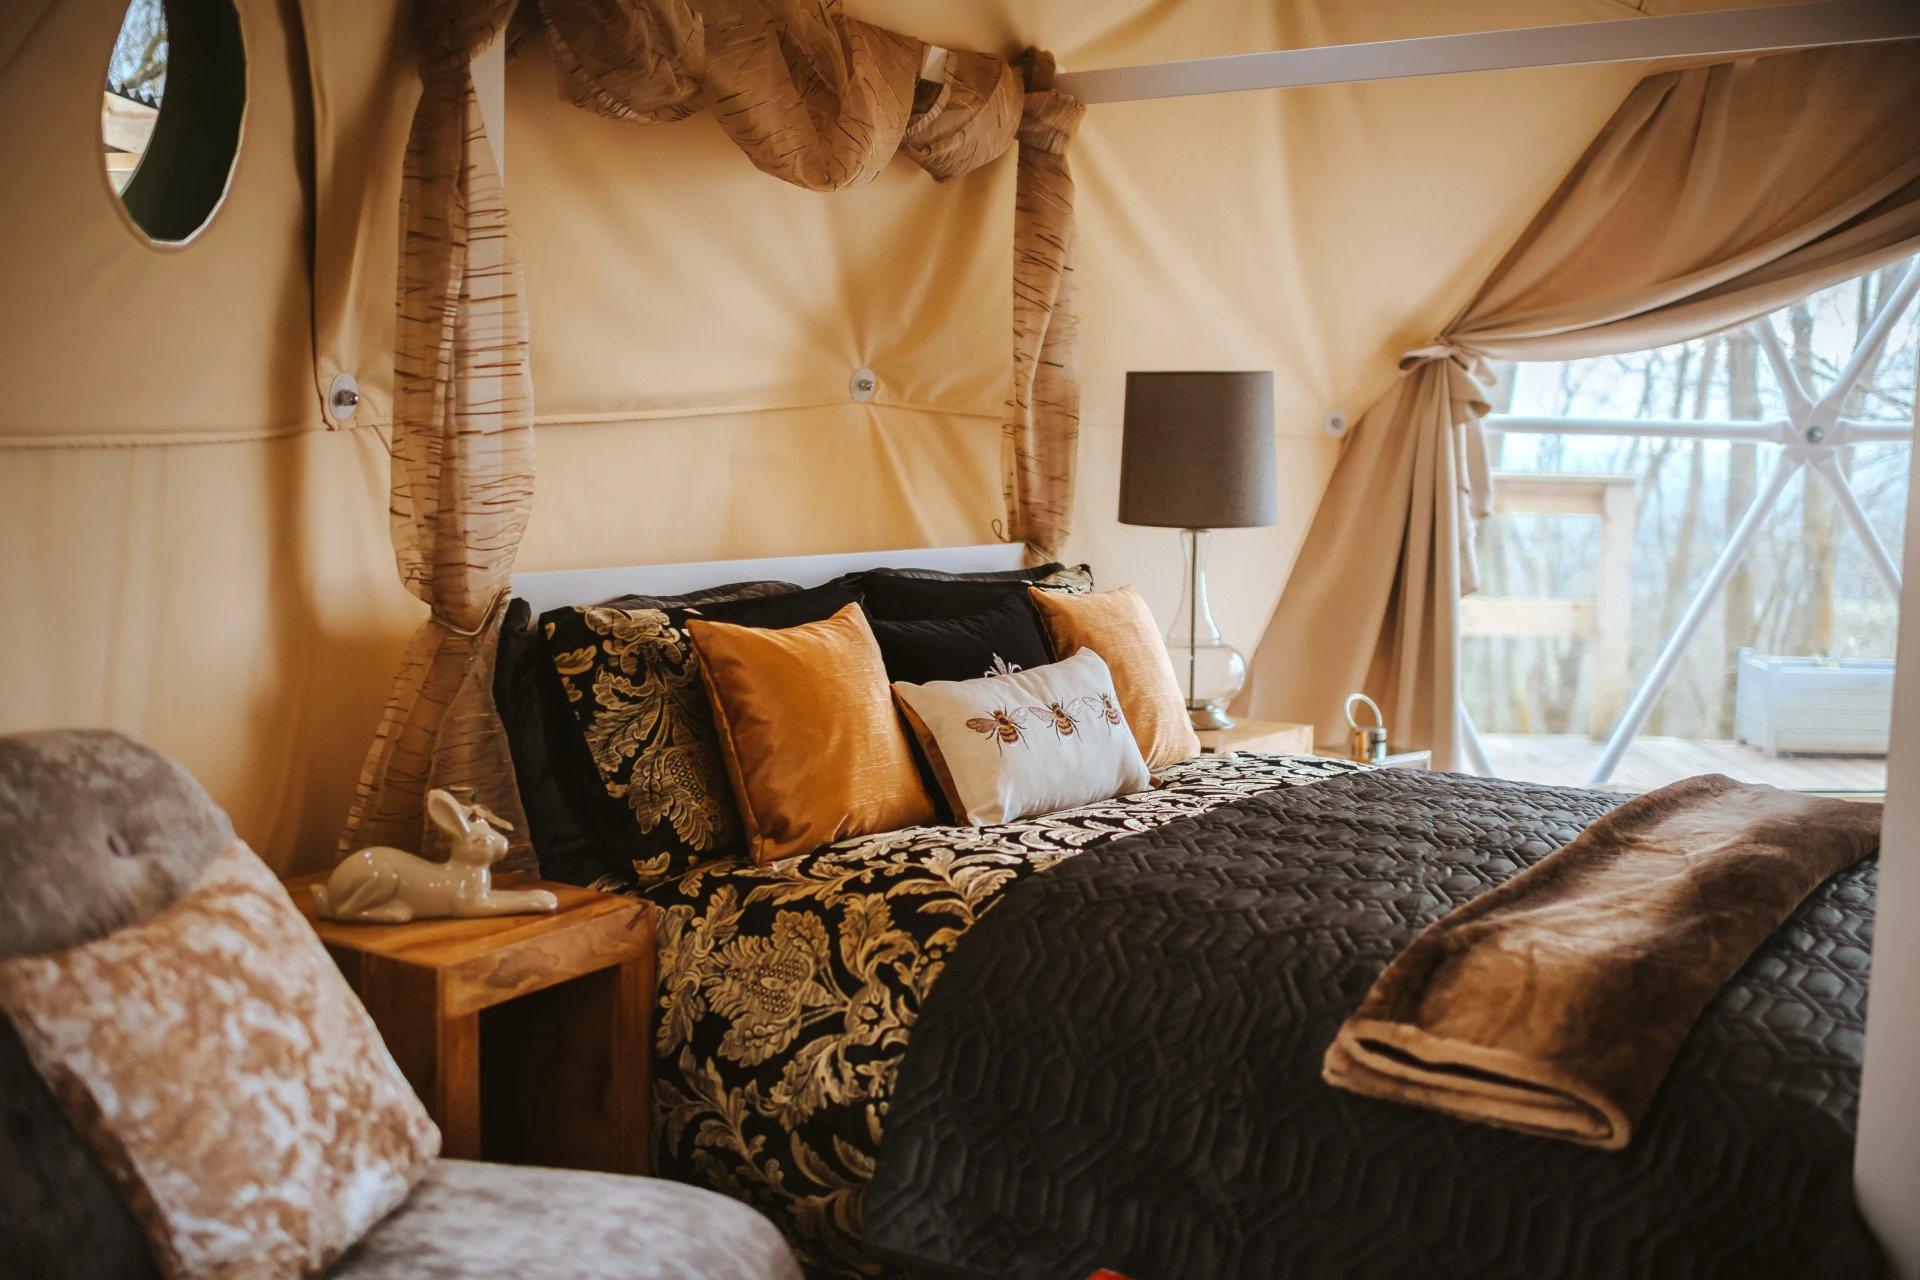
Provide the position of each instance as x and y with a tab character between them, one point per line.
1197	454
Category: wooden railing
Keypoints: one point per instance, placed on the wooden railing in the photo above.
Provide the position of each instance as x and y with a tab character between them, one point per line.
1607	619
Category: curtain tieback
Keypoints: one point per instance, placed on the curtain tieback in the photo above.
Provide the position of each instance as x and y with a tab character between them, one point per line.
1469	377
498	603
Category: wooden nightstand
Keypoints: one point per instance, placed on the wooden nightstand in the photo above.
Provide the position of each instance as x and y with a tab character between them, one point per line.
558	1008
1395	760
1275	736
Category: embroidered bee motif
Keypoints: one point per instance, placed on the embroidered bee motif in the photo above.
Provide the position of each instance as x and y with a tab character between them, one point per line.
1109	712
1057	715
997	727
1001	667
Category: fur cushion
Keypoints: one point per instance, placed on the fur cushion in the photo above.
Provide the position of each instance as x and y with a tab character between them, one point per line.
96	832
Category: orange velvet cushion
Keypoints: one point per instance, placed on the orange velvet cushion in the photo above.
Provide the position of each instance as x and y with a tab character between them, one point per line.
807	727
1119	627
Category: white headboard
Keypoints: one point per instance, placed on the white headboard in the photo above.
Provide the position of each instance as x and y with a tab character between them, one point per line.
586	586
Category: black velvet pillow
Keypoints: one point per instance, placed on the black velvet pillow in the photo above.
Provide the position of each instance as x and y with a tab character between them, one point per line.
1000	639
908	595
789	609
582	833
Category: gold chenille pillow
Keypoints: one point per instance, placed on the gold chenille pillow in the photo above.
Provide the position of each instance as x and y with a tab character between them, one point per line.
1119	627
808	730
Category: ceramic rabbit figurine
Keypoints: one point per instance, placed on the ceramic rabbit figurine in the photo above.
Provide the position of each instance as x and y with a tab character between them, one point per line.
389	886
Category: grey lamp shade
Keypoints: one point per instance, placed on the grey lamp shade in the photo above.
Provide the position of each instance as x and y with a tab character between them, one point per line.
1197	452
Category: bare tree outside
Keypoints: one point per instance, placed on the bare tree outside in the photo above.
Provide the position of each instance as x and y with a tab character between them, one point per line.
1806	589
138	69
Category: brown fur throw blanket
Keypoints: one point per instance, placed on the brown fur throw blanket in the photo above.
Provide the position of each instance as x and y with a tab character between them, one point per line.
1553	1004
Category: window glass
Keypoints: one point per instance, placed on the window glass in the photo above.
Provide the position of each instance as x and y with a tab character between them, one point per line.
1605	537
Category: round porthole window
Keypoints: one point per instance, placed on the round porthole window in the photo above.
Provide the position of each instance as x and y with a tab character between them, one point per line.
170	119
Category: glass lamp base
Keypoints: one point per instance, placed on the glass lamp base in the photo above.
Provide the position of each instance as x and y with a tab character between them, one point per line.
1209	715
1210	670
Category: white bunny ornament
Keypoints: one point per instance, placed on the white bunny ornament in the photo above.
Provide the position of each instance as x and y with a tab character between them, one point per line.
390	886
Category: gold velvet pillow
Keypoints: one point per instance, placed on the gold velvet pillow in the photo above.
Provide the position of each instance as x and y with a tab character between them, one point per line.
808	730
1119	627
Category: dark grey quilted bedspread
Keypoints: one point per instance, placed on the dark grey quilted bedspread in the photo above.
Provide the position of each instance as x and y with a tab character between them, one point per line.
1120	1067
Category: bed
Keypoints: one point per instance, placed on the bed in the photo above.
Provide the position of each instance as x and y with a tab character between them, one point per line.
794	1071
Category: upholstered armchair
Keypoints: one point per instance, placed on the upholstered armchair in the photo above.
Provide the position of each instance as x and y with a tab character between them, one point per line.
100	840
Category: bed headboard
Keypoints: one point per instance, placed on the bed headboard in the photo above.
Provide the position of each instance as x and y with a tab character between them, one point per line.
582	586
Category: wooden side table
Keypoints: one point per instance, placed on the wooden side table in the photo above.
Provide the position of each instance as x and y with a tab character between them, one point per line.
1422	759
566	1040
1276	736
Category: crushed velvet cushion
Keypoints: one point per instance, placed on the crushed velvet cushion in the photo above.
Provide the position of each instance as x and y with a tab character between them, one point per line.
96	832
468	1221
230	1083
813	746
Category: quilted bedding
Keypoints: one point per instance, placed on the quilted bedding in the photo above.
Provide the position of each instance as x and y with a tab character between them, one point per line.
1121	1068
789	991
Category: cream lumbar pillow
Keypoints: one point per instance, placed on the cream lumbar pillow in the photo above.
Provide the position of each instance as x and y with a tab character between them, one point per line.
231	1084
1033	742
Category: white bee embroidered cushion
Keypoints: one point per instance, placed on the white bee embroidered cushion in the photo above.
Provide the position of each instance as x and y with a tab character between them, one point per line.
1030	742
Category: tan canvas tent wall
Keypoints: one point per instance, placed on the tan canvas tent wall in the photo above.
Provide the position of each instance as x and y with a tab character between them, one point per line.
191	551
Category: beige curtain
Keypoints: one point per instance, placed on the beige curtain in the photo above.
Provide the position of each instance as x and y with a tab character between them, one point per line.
1713	195
462	475
824	101
1043	429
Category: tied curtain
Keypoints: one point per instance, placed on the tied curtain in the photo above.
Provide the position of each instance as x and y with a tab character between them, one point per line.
810	96
462	472
1714	195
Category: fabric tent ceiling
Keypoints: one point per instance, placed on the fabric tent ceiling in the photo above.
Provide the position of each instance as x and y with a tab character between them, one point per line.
234	601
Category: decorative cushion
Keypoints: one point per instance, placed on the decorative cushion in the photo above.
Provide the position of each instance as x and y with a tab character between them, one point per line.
1031	742
96	832
808	730
232	1086
583	831
908	595
789	609
652	786
471	1221
1002	638
60	1218
1119	627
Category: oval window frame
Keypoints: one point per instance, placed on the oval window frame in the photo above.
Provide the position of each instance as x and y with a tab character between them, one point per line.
230	47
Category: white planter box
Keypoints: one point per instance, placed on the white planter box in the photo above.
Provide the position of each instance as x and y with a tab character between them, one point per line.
1814	707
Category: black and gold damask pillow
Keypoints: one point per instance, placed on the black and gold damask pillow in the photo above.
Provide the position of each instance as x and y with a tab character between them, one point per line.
647	776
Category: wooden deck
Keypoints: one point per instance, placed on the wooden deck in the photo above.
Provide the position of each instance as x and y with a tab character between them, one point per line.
1654	762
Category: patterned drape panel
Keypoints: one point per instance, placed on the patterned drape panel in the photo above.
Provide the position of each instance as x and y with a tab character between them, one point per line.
1043	428
462	482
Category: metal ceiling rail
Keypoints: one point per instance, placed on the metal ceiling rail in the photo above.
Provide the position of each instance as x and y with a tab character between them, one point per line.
1729	33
